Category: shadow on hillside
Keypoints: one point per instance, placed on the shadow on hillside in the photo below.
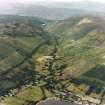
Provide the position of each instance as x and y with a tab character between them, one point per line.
22	74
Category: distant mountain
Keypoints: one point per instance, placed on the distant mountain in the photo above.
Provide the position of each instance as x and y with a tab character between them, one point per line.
60	10
84	5
57	10
47	12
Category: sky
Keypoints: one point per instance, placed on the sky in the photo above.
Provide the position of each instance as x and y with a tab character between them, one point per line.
27	1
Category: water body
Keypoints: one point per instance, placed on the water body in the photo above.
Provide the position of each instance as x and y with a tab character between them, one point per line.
55	102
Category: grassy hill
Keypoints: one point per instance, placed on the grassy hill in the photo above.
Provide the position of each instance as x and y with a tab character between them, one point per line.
82	47
21	38
41	59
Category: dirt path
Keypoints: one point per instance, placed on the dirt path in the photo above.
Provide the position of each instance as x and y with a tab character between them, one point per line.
2	104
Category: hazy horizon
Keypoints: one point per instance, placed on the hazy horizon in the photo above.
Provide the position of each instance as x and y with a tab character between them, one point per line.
29	1
8	7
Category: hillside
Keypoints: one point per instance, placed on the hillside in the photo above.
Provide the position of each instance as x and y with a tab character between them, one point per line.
53	10
82	44
41	58
20	39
